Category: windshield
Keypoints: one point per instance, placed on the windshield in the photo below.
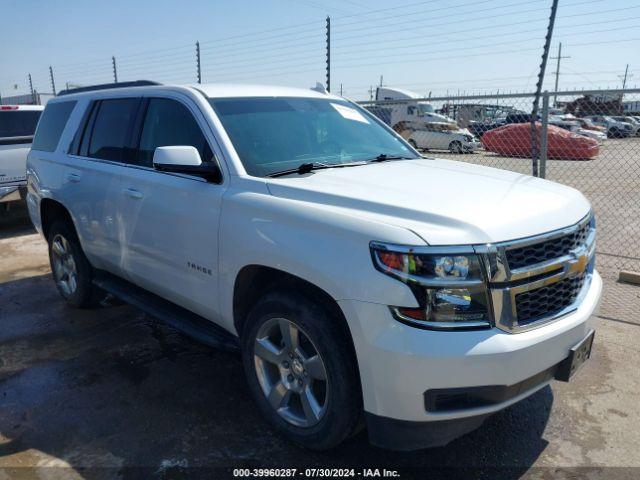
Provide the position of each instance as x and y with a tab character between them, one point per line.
272	135
424	108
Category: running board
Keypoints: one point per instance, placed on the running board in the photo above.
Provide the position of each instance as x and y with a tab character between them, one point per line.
191	324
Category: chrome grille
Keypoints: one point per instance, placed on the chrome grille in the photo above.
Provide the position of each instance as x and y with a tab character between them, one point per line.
548	301
536	280
546	250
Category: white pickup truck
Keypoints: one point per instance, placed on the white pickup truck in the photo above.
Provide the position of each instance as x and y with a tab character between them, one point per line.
17	125
362	283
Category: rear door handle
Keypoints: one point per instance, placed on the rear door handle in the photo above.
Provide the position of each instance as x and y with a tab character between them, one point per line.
73	177
135	194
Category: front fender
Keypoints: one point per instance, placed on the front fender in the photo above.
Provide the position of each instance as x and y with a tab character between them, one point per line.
326	246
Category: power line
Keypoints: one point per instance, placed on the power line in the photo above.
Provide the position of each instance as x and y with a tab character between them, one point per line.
457	21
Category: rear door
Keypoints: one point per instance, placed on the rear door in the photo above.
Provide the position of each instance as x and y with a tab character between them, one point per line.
170	221
17	127
92	178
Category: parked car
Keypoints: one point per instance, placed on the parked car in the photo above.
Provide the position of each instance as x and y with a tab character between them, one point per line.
437	136
360	282
572	124
635	124
516	116
615	128
515	140
477	129
17	125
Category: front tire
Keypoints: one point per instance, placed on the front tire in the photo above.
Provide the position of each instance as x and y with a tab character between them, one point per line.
455	147
301	371
71	270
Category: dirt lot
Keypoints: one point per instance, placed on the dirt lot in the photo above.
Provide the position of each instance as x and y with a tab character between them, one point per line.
109	393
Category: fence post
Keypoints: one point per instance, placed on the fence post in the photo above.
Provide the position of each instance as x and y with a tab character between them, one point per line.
53	83
328	53
198	62
543	134
536	99
115	69
33	96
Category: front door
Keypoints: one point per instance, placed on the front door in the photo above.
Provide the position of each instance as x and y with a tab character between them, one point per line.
169	222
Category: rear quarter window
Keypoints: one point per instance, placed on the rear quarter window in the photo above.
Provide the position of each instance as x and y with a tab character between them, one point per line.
51	126
18	123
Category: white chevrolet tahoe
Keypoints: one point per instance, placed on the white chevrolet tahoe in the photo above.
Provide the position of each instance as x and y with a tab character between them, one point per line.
363	284
17	125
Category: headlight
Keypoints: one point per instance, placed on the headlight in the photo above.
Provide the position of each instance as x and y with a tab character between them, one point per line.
448	283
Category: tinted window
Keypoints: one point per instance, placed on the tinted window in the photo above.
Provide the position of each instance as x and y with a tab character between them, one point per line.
112	127
169	123
18	123
54	119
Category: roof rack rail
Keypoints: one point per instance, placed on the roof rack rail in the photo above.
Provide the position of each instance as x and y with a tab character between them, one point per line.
108	86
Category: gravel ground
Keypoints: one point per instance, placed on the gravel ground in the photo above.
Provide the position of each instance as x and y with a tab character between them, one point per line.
110	393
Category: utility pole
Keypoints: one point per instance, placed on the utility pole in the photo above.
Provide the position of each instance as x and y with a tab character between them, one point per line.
624	84
557	72
625	76
33	95
371	92
53	83
115	69
340	89
328	53
198	62
380	80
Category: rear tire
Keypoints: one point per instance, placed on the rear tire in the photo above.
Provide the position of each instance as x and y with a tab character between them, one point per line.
71	270
285	379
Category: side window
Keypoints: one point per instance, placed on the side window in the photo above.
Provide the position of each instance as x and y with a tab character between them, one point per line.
111	128
52	123
168	123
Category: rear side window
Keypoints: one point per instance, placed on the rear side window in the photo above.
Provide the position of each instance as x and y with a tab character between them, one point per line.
112	127
18	123
54	119
169	123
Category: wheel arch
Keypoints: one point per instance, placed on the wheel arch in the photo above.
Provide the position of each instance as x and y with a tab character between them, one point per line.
50	211
253	281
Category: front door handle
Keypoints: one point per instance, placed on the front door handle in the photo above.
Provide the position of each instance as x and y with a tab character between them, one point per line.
135	194
73	177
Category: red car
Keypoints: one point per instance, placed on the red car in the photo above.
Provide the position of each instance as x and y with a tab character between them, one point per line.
515	140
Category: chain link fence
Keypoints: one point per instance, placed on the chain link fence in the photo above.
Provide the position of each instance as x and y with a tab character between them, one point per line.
588	140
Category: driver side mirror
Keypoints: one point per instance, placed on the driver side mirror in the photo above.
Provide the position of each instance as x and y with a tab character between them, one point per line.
185	159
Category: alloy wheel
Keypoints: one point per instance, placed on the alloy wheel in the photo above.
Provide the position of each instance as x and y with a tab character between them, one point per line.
291	372
64	267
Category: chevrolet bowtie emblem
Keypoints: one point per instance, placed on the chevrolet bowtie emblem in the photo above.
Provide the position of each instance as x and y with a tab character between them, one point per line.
579	263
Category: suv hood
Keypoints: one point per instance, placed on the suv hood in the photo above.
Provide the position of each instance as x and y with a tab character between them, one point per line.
444	202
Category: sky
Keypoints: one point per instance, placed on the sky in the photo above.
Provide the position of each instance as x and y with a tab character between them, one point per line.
427	46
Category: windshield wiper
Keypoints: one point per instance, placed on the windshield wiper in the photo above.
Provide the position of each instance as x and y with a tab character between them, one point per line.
309	167
383	157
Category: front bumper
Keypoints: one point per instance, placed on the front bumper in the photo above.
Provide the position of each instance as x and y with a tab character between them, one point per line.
471	146
399	364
